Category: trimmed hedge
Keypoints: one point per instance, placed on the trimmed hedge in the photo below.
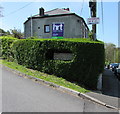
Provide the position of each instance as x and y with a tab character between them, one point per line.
84	68
5	44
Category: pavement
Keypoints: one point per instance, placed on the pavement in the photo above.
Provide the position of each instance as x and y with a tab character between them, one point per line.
110	93
108	97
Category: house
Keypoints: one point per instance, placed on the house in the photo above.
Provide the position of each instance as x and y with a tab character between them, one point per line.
57	23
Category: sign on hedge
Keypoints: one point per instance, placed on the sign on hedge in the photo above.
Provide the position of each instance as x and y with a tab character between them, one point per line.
57	30
63	56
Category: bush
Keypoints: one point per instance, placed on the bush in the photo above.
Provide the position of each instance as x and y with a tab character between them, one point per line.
5	43
87	62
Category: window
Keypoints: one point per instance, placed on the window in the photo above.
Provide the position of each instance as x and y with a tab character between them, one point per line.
46	28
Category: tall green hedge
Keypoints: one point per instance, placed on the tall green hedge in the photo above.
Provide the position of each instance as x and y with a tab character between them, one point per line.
5	46
84	68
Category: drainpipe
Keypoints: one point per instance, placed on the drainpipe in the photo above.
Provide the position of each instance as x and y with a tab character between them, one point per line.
31	26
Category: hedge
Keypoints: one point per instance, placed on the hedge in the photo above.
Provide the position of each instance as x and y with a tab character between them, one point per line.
87	62
5	44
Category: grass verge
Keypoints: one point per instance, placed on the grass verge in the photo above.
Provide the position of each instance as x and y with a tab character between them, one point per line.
51	78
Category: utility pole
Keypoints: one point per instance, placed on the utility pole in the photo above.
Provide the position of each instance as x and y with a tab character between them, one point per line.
93	9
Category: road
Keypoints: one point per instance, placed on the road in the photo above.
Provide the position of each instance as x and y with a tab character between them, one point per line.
24	95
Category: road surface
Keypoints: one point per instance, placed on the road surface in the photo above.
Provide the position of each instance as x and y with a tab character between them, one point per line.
24	95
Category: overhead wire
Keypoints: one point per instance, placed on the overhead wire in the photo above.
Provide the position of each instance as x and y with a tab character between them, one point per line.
82	8
19	9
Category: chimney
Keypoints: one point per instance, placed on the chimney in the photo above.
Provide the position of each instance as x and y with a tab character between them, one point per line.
66	9
41	11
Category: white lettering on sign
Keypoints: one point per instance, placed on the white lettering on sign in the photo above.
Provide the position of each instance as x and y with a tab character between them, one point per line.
57	27
63	56
93	20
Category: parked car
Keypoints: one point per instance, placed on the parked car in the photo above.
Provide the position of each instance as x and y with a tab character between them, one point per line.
113	66
117	72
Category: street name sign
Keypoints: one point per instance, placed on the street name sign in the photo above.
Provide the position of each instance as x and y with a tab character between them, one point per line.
93	20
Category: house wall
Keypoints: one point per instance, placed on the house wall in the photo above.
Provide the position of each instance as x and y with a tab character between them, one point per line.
78	28
27	29
72	27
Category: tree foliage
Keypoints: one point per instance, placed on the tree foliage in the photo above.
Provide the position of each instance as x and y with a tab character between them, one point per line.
2	32
12	32
91	35
112	53
17	33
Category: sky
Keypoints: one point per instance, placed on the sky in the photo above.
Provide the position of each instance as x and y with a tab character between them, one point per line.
16	13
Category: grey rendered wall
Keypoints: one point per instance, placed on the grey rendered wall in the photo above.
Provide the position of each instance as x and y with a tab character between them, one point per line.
72	27
75	30
27	29
48	21
79	28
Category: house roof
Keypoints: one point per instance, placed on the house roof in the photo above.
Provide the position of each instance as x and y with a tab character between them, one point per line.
56	11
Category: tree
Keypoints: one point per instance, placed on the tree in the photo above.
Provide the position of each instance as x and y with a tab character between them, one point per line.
91	35
110	52
17	33
118	55
2	32
8	32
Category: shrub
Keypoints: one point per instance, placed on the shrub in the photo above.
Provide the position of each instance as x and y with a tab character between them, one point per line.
87	62
5	43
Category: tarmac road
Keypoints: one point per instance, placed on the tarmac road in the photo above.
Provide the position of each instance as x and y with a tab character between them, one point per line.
23	95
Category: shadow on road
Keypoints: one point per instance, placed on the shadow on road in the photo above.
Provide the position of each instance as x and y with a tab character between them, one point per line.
110	84
110	93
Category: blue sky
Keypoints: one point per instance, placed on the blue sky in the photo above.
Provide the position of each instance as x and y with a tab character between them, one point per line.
16	13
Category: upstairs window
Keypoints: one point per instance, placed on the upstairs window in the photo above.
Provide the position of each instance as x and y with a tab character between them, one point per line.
46	28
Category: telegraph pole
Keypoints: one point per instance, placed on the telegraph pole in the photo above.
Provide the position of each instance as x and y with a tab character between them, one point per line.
93	9
94	15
